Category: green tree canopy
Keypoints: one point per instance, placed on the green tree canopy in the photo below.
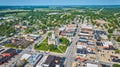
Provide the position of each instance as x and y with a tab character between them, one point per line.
64	41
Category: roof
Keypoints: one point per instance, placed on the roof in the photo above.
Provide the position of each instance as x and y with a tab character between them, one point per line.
85	26
98	43
100	32
84	34
53	61
3	58
104	65
34	59
100	21
25	56
91	43
41	61
83	40
49	59
81	46
70	30
70	33
82	51
97	37
9	50
58	60
72	25
107	44
62	28
91	65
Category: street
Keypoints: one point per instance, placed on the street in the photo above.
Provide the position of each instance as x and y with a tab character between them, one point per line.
70	54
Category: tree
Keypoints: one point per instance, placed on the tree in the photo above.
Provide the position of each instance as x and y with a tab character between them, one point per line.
110	30
109	36
118	39
64	41
50	33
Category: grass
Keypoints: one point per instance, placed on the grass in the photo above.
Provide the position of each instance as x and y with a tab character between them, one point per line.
45	47
63	48
10	45
119	43
13	46
117	51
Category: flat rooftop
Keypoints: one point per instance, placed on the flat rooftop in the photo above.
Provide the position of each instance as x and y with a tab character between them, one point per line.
9	50
91	65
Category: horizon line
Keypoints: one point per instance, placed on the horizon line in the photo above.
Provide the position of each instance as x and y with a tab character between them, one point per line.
65	5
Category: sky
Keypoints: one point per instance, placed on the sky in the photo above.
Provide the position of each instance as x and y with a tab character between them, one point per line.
59	2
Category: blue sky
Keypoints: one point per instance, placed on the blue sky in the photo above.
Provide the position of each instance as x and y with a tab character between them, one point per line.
59	2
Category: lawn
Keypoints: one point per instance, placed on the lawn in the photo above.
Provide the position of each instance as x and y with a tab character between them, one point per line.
45	47
63	48
119	43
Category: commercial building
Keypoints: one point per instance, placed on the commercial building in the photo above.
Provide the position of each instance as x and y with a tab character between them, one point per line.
6	55
41	62
107	44
31	37
69	30
105	65
53	61
25	57
3	59
33	60
87	28
10	52
91	65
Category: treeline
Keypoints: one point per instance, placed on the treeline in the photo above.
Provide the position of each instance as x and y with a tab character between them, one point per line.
7	29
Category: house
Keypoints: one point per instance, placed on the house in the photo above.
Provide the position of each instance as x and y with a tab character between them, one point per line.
18	25
33	60
42	31
24	27
100	22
